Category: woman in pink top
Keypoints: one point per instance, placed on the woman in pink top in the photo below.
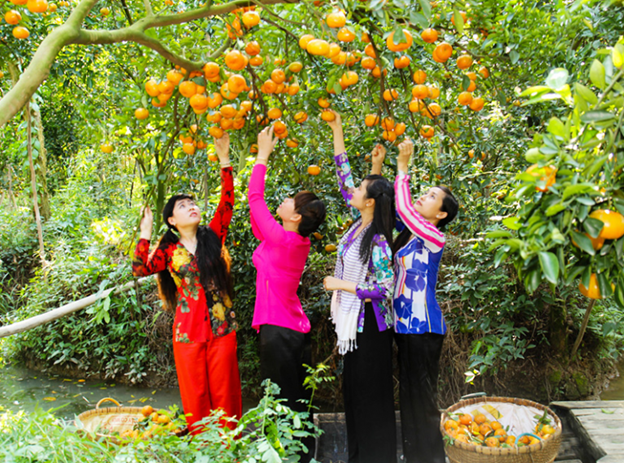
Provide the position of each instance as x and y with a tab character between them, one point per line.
280	260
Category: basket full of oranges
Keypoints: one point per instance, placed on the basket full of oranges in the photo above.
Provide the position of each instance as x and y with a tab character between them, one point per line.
500	430
121	424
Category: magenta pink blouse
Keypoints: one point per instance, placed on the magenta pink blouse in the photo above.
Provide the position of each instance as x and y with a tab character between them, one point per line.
280	260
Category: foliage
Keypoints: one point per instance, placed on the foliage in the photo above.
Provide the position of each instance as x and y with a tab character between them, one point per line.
554	227
270	432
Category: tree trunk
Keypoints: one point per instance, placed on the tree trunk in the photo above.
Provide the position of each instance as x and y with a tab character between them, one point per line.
44	195
579	338
557	328
33	184
10	178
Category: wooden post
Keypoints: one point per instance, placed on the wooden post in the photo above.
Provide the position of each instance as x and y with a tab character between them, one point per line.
579	338
33	185
67	309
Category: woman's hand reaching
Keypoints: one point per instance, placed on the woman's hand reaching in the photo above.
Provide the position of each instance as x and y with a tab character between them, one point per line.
266	144
146	223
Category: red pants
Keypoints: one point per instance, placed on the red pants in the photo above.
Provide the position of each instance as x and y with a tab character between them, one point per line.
209	379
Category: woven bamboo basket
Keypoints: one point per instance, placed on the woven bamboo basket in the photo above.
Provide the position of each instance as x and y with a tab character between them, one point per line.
544	451
102	422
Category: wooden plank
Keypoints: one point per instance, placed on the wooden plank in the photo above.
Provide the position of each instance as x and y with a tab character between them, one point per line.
603	433
568	405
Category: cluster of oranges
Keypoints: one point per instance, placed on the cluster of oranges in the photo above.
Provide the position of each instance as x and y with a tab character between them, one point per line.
231	106
13	17
481	431
152	423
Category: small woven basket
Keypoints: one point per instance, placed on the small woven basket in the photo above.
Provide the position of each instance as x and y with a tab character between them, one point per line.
544	451
101	422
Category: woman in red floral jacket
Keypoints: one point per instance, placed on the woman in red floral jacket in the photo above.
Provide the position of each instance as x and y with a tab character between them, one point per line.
193	269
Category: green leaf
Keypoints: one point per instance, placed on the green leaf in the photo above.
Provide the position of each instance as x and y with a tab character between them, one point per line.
593	226
459	21
597	116
607	412
426	8
419	18
532	91
608	327
556	127
576	189
550	266
617	55
465	83
555	209
557	78
605	285
597	74
533	156
513	223
586	93
514	56
499	234
583	242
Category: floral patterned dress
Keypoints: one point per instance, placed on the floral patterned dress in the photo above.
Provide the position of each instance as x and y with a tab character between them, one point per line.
200	315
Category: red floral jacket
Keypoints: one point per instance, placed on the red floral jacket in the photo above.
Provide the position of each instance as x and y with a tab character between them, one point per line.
199	316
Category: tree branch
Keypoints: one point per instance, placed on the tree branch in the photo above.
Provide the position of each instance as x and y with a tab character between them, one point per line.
126	11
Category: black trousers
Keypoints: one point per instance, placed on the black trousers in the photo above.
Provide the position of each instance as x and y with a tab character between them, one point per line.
368	395
282	354
419	362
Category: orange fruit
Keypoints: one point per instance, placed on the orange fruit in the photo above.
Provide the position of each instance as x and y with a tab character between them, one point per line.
253	148
510	440
295	67
485	428
390	94
340	58
345	35
464	61
443	51
314	169
323	102
274	113
465	419
593	292
188	88
106	148
484	72
188	148
147	411
496	425
252	48
463	15
157	103
420	91
304	40
376	72
426	131
613	221
393	46
201	144
547	174
214	100
451	425
492	442
268	87
141	113
472	76
151	87
416	105
37	6
370	50
226	124
292	143
369	63
199	102
334	50
235	60
104	11
389	135
12	17
20	32
429	35
597	243
256	61
301	117
399	129
330	248
227	93
317	47
365	37
387	123
216	132
433	110
228	111
402	62
278	76
419	77
477	104
328	116
464	98
434	92
251	19
471	87
371	120
336	19
237	83
279	128
349	78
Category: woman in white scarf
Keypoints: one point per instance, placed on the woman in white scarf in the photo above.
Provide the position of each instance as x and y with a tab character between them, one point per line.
362	309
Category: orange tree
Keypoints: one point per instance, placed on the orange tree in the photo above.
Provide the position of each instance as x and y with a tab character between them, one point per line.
445	73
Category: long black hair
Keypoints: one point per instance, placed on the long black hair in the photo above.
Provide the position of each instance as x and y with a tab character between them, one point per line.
213	260
449	205
381	190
